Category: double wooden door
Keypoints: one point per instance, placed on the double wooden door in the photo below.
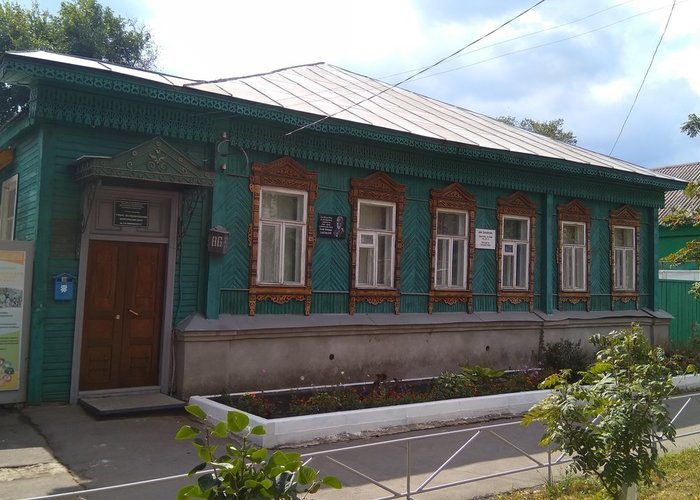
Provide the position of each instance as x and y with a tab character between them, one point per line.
123	315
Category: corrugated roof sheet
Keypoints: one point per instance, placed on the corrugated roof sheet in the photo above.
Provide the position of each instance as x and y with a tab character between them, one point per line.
677	199
323	89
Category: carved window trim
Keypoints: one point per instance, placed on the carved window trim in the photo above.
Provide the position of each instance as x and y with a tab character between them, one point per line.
625	216
284	174
377	187
517	205
574	212
453	198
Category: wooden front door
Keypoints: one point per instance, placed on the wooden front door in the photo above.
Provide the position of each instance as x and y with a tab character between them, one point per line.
123	315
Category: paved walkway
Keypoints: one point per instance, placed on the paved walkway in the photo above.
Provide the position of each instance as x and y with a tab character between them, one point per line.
51	449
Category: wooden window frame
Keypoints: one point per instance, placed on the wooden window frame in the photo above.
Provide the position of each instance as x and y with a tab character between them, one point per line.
453	198
376	233
282	174
378	187
574	212
625	216
518	206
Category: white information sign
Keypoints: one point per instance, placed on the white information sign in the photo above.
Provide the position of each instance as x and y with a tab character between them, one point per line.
486	238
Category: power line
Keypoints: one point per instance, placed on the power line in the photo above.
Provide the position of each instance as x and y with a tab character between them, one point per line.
419	72
668	20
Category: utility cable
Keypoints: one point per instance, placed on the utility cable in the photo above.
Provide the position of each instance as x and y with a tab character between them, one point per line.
419	72
668	20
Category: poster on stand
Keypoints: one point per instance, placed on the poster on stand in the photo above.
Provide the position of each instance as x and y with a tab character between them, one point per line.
12	282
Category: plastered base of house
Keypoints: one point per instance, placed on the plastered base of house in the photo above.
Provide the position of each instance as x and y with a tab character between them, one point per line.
236	354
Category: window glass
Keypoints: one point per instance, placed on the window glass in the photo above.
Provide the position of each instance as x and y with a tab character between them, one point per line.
624	255
573	266
450	223
624	237
269	255
376	217
514	254
8	202
375	266
515	229
282	237
284	206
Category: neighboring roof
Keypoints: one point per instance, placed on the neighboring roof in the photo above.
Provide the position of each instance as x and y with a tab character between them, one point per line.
322	89
677	199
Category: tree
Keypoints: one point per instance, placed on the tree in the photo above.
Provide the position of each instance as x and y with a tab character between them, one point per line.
551	128
81	28
692	126
679	217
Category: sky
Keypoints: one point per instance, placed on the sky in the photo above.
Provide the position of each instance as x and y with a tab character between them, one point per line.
582	61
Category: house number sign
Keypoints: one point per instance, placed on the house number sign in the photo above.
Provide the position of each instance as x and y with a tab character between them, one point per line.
130	213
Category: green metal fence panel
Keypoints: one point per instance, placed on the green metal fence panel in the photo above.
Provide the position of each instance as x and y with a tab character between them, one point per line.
684	307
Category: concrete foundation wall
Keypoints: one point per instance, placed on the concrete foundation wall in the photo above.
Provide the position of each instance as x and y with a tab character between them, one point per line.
253	355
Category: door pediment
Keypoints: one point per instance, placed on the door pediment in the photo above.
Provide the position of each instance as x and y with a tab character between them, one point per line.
153	161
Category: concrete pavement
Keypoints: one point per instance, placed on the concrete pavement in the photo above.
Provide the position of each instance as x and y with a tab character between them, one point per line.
51	449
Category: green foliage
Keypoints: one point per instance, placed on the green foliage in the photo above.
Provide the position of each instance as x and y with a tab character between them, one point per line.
564	355
612	421
551	128
469	381
82	28
692	126
244	471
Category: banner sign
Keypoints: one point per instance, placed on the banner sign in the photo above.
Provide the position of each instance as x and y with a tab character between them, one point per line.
12	274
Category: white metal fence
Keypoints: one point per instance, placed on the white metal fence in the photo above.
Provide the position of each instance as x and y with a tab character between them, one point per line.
411	466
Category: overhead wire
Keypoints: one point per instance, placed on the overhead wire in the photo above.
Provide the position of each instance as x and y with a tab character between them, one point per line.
419	72
634	102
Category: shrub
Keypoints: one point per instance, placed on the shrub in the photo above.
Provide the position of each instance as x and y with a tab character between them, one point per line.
613	421
565	355
244	472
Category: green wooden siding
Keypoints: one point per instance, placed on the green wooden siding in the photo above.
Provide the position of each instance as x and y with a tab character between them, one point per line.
684	307
57	235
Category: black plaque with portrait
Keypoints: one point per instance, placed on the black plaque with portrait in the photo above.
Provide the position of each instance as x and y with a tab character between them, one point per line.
331	226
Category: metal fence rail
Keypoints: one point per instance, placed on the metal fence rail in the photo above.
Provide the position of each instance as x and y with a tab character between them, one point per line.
460	439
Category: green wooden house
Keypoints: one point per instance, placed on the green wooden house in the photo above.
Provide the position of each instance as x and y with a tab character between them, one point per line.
306	226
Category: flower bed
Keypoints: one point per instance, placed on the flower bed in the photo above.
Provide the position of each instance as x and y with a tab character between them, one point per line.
469	382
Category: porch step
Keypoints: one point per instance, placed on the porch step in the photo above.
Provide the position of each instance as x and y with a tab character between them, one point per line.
128	404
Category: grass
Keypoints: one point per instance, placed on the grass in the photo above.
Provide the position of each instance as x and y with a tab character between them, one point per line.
682	481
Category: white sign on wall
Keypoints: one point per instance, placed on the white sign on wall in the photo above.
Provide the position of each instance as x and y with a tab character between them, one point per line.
486	238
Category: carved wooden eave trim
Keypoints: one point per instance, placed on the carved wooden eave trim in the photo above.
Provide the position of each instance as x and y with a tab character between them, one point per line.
624	216
376	187
284	173
453	197
7	156
518	205
574	211
154	161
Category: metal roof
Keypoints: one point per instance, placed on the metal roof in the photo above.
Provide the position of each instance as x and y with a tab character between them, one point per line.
677	199
323	89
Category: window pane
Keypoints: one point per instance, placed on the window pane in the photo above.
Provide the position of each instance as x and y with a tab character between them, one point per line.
269	253
579	268
624	237
458	263
629	269
619	269
453	224
442	262
507	274
366	239
573	234
567	270
384	264
284	206
521	266
365	273
515	229
292	254
376	217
